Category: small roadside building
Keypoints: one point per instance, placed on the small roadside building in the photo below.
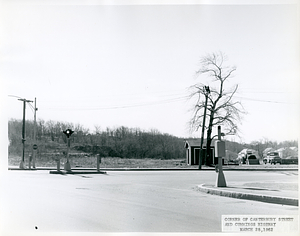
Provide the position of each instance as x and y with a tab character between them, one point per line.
192	147
192	151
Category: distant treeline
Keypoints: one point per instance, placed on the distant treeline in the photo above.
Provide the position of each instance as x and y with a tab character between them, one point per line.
114	142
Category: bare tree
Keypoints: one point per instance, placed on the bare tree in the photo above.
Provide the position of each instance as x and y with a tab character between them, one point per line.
219	102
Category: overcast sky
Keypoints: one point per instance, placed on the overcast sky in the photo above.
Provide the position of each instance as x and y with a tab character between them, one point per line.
131	65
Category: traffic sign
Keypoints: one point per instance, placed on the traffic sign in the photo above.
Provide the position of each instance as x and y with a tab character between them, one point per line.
68	132
34	146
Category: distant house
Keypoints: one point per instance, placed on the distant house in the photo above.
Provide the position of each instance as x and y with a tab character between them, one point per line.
230	156
269	149
242	155
280	152
287	152
294	149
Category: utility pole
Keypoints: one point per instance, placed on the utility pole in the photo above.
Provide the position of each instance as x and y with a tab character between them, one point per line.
34	146
201	154
23	131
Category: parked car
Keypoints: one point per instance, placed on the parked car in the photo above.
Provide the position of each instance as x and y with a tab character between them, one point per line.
272	158
276	160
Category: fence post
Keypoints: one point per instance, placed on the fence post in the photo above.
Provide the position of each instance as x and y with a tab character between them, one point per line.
98	162
58	161
30	159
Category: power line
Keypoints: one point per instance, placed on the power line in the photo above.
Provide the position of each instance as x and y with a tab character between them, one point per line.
263	91
128	96
259	100
28	102
125	106
14	96
165	101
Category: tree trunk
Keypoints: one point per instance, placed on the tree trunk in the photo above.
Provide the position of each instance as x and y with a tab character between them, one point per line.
208	154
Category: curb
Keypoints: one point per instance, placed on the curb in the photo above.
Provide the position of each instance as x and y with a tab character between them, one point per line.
248	196
262	169
160	169
63	172
115	169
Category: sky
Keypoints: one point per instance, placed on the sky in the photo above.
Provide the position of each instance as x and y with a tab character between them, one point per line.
106	64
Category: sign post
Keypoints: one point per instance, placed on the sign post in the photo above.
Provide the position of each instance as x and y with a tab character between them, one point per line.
30	159
32	156
220	152
58	161
68	133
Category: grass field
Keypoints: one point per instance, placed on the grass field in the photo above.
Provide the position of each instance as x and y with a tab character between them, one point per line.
106	162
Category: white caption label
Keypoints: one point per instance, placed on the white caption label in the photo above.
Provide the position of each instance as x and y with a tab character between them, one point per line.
259	223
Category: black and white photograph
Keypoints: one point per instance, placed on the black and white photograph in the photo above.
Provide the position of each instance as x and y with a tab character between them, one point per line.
149	117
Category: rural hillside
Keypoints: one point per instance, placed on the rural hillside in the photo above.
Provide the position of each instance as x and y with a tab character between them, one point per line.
119	142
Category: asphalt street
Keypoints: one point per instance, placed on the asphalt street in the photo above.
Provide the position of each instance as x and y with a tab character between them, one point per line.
128	201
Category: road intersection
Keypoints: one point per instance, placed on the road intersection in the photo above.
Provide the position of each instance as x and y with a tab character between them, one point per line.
130	201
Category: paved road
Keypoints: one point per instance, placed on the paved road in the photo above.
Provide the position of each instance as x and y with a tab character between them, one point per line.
127	201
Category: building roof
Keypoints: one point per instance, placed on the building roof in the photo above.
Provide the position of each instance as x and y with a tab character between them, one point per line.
196	142
269	150
247	151
193	142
